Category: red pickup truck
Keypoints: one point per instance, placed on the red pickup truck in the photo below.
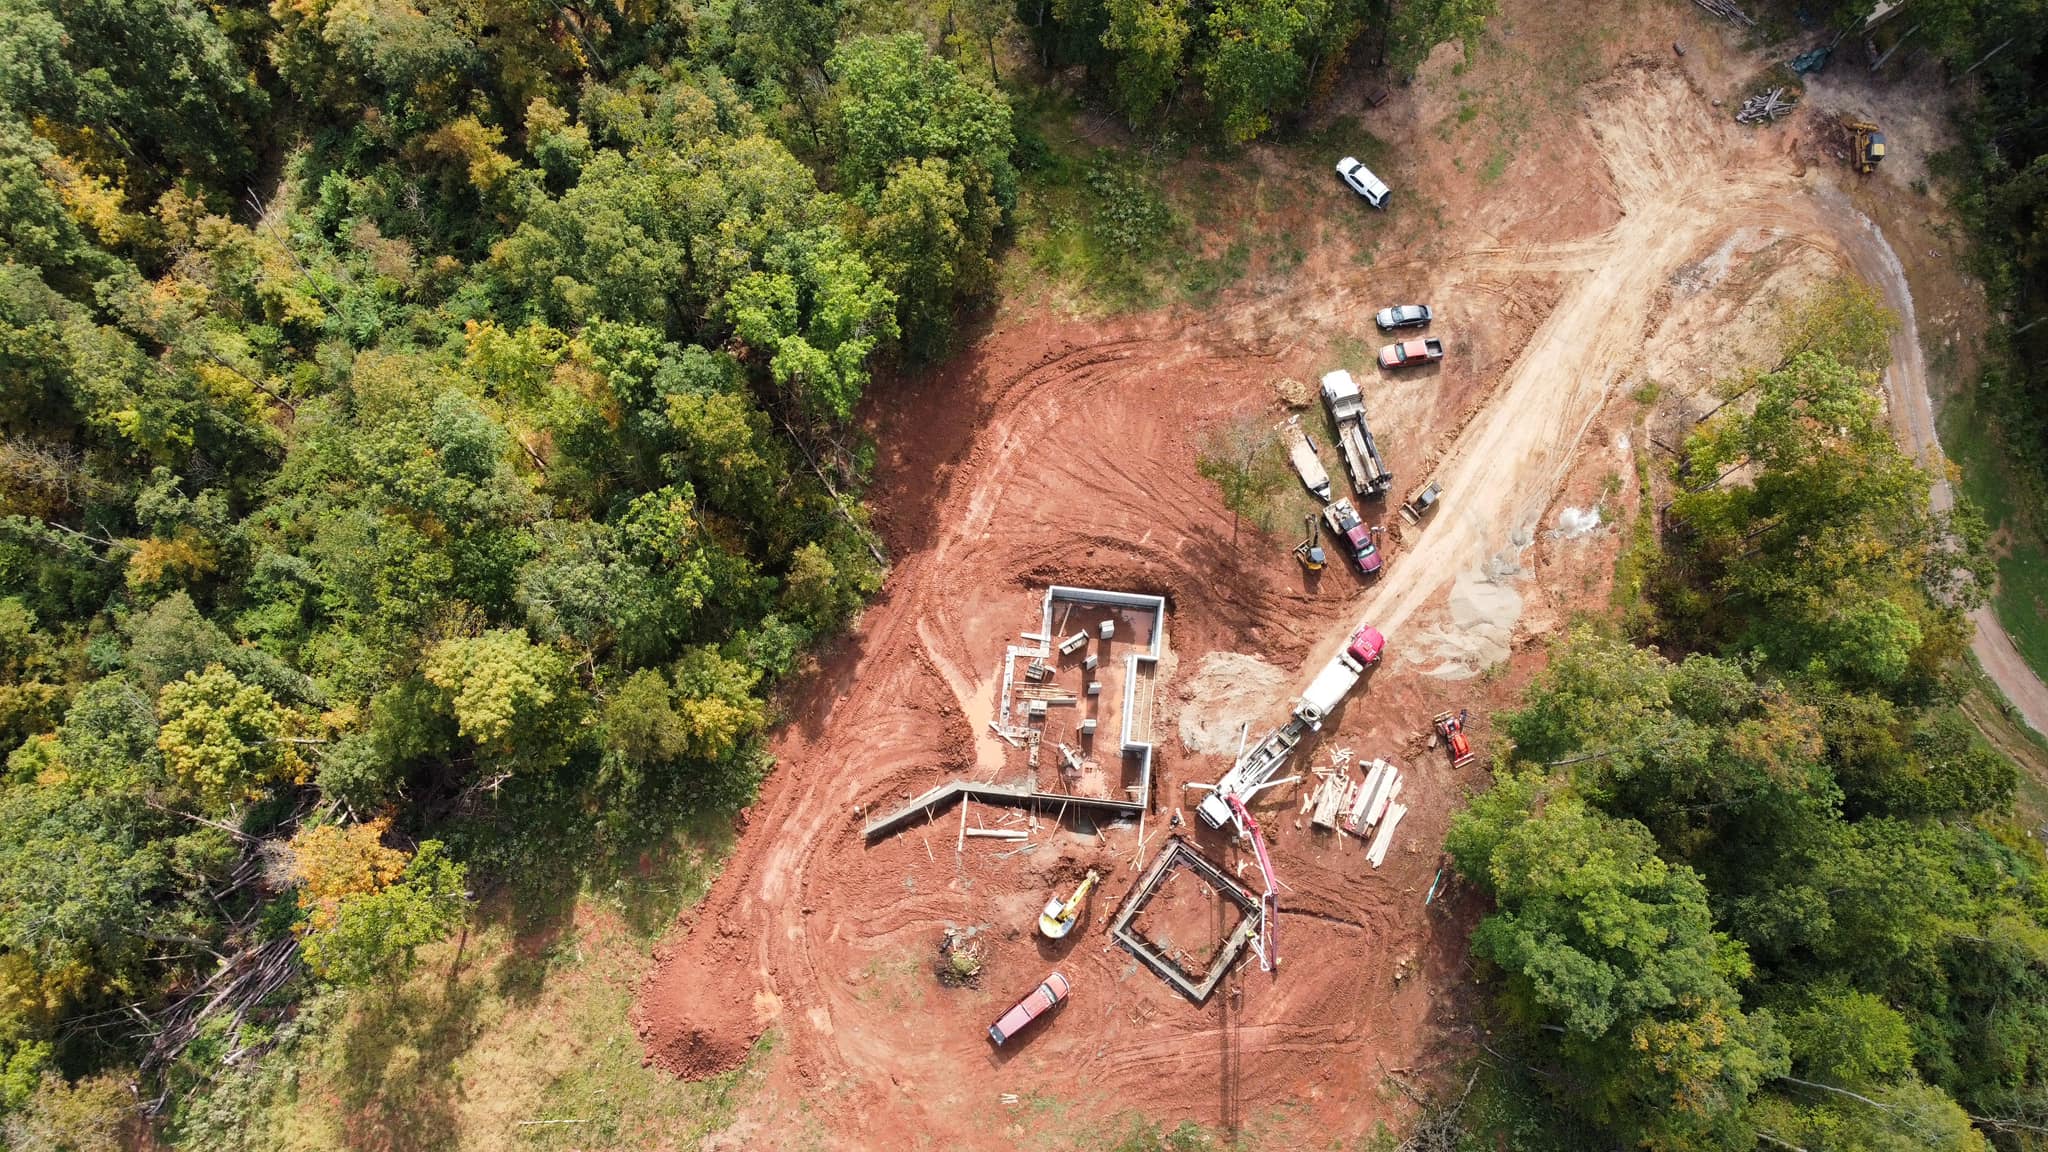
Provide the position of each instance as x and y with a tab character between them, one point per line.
1349	527
1040	1001
1409	352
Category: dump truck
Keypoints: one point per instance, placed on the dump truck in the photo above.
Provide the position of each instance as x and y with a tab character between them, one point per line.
1301	452
1411	352
1350	527
1355	445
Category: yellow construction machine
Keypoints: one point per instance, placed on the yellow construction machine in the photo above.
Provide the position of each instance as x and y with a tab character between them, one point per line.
1310	550
1058	918
1869	146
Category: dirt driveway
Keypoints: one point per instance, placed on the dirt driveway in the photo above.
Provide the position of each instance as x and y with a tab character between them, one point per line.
1062	451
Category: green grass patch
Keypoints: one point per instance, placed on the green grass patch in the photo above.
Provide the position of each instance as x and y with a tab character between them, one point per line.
1638	559
1138	1134
1987	709
1095	223
514	1035
1508	1108
2002	498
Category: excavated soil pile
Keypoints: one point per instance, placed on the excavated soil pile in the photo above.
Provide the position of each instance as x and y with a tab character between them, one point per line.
718	1031
1062	450
1227	689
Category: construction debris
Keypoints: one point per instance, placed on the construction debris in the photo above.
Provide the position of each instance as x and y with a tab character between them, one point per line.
1331	796
1372	813
996	833
1726	10
1765	107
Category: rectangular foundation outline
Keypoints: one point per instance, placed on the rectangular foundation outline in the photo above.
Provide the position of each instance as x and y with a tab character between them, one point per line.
1178	853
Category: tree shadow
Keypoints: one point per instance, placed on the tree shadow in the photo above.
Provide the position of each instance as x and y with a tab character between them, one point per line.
397	1082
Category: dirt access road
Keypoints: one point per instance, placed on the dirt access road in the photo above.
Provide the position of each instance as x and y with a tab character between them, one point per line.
1062	450
1908	391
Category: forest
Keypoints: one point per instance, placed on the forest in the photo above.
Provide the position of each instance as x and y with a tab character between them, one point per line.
426	443
1754	878
427	440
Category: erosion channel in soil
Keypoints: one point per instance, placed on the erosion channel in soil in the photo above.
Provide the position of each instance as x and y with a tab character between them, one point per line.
1062	451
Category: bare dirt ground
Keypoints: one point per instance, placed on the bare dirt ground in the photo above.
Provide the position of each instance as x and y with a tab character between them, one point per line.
1641	229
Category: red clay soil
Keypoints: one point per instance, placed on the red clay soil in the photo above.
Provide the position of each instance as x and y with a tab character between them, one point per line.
1058	452
1187	922
1062	451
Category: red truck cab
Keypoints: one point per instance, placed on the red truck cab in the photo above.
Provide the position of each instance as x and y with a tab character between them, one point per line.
1366	645
1041	1000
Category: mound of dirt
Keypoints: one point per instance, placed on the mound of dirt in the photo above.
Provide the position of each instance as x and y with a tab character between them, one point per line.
693	1032
1226	690
1482	626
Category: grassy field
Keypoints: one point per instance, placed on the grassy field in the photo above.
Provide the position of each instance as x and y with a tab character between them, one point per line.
1987	709
1106	223
2022	596
513	1036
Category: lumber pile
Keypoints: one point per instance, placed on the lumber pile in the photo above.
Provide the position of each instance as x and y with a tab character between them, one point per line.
1726	10
1373	813
1331	795
1764	107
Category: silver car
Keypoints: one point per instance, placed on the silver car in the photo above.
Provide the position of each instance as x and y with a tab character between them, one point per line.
1403	316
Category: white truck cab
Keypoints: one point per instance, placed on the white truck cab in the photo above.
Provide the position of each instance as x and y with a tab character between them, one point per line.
1363	182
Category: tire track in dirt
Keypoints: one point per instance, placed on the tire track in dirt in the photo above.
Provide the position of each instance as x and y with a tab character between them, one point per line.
1077	469
1509	461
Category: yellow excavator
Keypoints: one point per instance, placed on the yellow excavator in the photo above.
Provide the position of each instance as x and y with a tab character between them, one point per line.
1310	550
1059	916
1869	146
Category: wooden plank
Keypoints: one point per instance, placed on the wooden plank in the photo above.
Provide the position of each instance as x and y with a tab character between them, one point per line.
1379	810
996	833
1378	853
1330	798
1375	804
1355	820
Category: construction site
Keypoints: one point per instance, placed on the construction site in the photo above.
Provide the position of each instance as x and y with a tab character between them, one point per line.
1085	734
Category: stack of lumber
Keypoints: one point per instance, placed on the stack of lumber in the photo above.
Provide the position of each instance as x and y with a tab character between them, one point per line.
1374	814
1765	106
1726	10
1332	795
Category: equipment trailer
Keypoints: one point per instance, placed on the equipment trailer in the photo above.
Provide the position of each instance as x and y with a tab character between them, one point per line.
1301	452
1355	444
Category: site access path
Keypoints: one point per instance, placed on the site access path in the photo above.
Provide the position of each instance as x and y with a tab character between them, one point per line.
1063	454
1677	200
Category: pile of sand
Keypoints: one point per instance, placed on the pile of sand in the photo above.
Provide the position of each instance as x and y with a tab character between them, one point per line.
1225	691
1573	523
1482	625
